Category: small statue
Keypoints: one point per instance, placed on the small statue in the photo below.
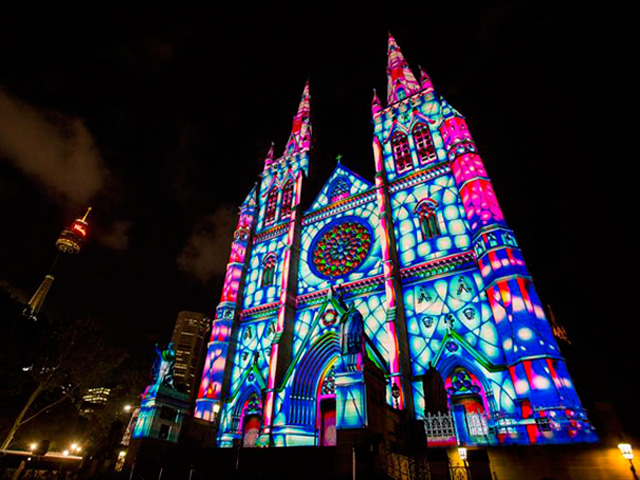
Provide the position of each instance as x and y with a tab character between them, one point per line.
162	370
352	340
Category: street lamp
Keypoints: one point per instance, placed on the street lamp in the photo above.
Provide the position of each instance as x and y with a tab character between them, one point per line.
32	447
627	452
395	393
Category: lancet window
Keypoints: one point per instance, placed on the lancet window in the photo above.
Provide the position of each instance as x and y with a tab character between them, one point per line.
401	152
287	198
268	270
424	143
428	218
272	206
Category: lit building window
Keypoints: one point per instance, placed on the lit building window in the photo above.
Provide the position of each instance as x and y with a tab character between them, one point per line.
428	218
401	152
424	143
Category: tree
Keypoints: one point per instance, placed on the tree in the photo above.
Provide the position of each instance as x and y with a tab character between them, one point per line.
131	380
73	358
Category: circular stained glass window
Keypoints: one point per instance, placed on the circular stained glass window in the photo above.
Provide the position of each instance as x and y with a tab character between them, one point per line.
341	248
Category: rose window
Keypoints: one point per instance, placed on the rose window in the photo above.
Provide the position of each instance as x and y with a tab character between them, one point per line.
341	249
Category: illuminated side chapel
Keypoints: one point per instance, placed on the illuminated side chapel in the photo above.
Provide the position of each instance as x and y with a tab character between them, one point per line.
414	279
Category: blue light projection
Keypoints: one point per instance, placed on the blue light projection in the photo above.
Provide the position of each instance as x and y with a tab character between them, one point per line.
414	277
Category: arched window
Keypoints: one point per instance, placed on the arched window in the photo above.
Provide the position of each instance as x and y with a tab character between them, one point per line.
339	190
424	143
401	152
426	210
287	198
268	270
272	204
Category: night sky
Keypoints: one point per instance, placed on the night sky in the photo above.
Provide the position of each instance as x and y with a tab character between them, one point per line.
160	120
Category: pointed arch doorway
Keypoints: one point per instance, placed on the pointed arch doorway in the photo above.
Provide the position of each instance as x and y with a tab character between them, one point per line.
327	433
439	426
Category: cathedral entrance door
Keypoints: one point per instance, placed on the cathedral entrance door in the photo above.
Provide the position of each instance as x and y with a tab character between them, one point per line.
328	422
250	430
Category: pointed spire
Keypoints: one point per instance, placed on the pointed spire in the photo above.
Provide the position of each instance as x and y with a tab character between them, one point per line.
400	80
376	105
300	138
268	160
425	81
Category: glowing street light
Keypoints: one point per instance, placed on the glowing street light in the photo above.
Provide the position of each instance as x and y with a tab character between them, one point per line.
462	452
127	408
627	452
32	447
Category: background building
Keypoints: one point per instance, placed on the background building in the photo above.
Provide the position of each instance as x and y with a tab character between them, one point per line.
189	339
413	280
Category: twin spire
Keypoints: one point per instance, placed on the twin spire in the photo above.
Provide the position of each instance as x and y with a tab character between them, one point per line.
401	83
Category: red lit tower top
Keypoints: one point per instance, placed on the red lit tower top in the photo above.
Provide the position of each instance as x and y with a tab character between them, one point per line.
72	238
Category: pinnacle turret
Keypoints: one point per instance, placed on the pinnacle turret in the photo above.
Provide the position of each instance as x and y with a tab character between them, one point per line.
268	160
376	105
425	81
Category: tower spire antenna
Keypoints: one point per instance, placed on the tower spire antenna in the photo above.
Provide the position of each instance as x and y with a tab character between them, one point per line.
84	219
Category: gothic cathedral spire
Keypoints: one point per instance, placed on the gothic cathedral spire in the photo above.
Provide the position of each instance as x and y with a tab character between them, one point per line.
300	139
401	83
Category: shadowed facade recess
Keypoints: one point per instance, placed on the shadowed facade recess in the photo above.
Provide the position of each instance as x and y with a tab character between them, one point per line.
416	274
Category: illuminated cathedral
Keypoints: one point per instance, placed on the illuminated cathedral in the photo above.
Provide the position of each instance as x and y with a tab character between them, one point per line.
406	294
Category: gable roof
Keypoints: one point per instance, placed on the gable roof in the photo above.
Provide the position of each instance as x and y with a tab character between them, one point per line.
355	184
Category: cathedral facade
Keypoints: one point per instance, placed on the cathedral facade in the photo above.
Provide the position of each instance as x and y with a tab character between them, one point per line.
413	279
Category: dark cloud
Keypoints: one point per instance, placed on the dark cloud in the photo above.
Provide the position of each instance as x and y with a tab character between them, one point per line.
22	295
56	151
207	251
59	153
115	236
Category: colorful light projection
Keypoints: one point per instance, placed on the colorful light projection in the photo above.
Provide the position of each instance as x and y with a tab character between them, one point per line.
423	255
